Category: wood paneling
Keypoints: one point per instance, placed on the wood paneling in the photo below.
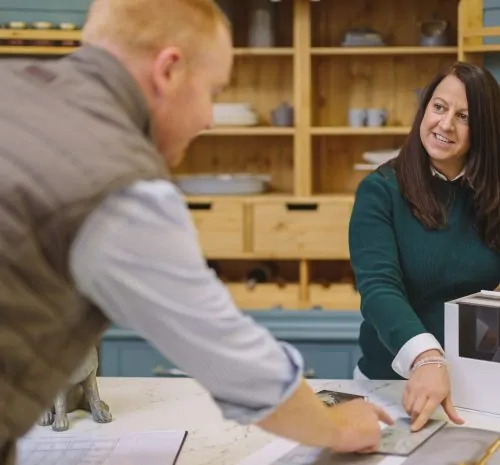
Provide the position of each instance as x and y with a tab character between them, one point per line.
334	160
389	82
396	20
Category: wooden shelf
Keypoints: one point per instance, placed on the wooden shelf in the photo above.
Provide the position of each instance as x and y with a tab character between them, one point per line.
271	256
54	50
472	32
274	51
273	196
384	50
248	131
32	34
482	48
361	131
35	50
481	31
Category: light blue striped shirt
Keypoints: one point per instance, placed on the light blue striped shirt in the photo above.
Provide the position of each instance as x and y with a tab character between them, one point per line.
138	258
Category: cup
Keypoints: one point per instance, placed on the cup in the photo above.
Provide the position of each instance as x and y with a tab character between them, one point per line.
377	117
282	115
357	117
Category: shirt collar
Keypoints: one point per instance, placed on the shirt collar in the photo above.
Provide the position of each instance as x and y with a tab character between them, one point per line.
102	66
436	173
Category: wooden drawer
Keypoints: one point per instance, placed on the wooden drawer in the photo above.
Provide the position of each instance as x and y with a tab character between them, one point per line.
312	228
220	225
265	296
335	297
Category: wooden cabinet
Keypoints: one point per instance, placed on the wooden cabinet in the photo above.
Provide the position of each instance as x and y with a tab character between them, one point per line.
336	296
266	295
479	37
305	228
221	225
315	163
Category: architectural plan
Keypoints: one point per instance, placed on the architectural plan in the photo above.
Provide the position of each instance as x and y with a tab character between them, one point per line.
152	448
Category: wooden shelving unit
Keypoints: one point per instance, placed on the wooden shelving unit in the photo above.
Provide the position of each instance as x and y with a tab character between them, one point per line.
251	131
302	223
386	50
475	40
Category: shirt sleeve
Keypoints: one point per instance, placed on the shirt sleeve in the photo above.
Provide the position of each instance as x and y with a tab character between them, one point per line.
404	359
138	258
374	257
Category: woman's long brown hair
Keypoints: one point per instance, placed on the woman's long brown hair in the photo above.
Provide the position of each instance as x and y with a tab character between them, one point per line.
482	167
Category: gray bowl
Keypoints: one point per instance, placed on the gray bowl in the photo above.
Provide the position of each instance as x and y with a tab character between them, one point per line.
223	184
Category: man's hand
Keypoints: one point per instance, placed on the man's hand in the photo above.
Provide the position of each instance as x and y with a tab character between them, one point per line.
348	427
427	388
358	428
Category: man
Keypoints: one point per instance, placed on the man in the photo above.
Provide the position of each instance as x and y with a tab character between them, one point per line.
91	229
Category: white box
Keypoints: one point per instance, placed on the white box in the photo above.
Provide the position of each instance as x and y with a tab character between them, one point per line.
472	347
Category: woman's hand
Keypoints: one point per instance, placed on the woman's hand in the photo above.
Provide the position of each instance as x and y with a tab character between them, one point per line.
427	388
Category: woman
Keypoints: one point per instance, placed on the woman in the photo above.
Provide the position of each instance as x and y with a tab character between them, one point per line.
425	229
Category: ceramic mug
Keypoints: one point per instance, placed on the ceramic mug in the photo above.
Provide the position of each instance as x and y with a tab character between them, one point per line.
282	115
357	117
377	117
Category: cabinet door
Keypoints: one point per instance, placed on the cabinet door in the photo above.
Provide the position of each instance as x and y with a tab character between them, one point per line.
325	360
328	360
45	5
134	358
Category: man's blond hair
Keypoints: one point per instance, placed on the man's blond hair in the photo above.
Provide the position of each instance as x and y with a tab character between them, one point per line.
146	26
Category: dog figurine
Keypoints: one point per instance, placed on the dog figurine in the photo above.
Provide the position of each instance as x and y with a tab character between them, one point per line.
82	394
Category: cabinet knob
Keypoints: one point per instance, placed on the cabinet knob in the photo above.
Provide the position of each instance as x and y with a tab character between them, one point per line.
172	372
309	373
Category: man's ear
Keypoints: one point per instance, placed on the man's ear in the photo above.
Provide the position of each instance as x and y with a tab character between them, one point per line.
165	67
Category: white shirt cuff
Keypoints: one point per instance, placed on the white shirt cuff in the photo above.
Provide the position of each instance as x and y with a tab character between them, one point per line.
411	350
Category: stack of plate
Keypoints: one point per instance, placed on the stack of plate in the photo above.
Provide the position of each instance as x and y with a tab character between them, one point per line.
234	114
375	158
223	184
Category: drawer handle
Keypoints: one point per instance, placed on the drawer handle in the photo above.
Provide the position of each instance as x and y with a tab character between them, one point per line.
199	205
309	373
302	206
160	371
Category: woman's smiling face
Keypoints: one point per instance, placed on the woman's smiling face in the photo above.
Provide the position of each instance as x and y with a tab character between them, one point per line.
444	130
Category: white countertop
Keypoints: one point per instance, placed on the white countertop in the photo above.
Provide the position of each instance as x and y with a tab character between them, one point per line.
145	404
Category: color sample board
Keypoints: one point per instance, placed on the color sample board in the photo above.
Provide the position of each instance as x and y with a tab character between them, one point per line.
336	397
398	439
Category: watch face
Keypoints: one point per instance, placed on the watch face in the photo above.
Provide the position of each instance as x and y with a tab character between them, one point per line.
336	397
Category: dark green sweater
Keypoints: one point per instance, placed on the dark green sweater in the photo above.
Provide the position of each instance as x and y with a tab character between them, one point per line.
406	273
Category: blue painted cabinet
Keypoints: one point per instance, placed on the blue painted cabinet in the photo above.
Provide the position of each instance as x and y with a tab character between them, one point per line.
44	10
326	339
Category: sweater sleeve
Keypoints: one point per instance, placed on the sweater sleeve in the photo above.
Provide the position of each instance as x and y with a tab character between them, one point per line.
375	261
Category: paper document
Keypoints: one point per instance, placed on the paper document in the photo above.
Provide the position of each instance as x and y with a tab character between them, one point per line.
151	448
